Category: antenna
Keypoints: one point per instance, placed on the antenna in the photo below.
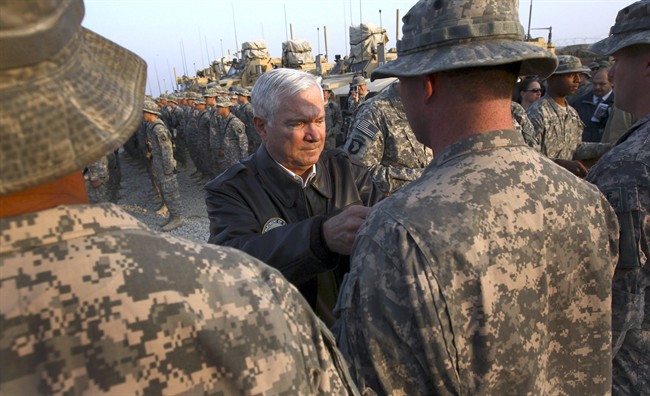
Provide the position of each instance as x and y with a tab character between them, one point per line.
530	15
286	29
232	6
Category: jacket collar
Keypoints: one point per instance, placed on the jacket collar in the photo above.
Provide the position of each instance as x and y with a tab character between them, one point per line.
282	185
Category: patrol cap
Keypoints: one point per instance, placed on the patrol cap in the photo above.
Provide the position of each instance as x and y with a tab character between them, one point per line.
151	107
210	93
223	102
64	73
569	64
632	27
454	34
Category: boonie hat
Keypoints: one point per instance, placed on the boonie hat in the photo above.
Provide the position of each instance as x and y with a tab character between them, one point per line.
632	27
326	87
454	34
199	101
210	93
358	80
569	64
244	92
223	102
64	74
151	107
173	99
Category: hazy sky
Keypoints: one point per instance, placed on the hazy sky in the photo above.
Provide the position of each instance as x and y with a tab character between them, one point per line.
156	29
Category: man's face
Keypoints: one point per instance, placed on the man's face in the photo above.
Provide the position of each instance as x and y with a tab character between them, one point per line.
223	111
563	85
363	89
601	83
200	106
326	95
211	101
296	136
628	87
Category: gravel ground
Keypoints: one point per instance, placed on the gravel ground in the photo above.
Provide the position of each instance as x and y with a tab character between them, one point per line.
137	198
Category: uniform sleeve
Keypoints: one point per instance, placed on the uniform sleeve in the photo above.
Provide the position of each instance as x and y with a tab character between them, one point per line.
98	170
539	129
162	135
591	150
393	323
240	132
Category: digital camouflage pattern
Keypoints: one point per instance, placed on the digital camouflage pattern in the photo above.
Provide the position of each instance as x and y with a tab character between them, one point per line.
206	159
490	274
380	137
245	114
333	123
105	306
559	132
352	105
623	175
163	165
191	133
523	125
230	145
97	172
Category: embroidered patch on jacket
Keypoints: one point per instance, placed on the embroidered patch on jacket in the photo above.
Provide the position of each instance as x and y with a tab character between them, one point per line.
367	128
273	222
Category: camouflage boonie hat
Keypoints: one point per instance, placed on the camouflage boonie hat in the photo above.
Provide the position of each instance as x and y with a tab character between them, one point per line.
222	90
569	64
326	87
199	101
64	74
632	27
244	92
223	102
210	93
151	107
233	95
594	66
358	80
173	99
455	34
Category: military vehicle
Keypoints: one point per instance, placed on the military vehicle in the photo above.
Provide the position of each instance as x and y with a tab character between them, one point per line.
243	72
297	54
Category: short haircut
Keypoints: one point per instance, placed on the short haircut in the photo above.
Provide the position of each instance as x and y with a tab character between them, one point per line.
274	86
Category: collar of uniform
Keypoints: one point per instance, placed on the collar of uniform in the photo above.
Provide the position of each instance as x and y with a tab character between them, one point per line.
480	142
636	126
60	224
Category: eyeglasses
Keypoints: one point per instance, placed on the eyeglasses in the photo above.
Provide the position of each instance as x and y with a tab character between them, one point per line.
535	90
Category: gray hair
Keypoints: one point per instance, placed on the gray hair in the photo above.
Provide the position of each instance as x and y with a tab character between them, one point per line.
275	86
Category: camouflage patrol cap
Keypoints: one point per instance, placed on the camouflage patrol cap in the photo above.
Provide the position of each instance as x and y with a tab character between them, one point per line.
223	102
455	34
569	64
210	93
64	73
632	27
151	107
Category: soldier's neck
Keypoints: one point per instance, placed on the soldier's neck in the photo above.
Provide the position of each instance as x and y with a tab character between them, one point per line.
68	190
560	100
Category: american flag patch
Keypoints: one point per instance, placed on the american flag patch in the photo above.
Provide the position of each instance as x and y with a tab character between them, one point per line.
367	128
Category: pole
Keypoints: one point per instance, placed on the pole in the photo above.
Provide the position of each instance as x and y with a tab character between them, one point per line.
172	81
221	40
206	49
318	35
530	15
396	24
345	28
286	31
157	78
360	14
327	52
232	6
165	84
381	26
291	30
200	50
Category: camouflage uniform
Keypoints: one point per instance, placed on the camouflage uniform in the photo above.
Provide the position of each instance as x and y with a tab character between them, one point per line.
352	105
488	275
97	172
245	114
623	175
163	164
191	136
333	124
523	125
230	144
559	132
202	142
105	306
380	137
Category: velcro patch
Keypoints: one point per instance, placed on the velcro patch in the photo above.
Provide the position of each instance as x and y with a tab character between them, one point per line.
367	128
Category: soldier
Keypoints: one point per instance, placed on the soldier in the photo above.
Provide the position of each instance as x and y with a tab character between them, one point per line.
381	138
207	110
490	274
558	128
191	135
522	124
163	164
245	114
96	176
623	175
358	92
229	144
335	136
234	103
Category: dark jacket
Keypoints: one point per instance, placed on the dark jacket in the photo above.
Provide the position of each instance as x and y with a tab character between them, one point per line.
585	107
248	204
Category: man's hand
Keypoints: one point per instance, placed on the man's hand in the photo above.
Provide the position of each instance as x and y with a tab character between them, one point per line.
339	231
575	167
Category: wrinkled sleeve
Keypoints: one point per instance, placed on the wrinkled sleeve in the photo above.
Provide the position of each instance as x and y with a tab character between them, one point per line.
393	322
162	135
591	150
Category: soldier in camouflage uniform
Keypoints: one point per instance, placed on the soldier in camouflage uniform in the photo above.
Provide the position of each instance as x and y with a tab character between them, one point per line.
191	133
522	124
92	301
490	274
207	111
229	144
96	176
358	92
163	165
333	119
558	127
623	175
380	137
246	114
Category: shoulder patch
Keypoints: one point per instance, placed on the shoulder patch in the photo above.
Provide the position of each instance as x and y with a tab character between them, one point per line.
273	222
368	129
